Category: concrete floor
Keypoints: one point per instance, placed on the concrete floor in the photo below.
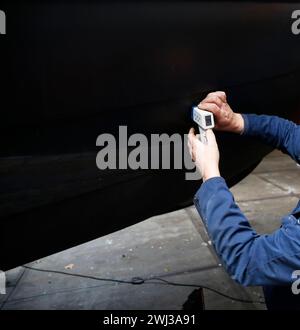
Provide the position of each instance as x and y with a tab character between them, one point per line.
167	246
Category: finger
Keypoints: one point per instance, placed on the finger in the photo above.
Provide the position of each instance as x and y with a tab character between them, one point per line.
210	135
192	131
211	107
213	98
191	152
193	155
191	135
190	147
222	95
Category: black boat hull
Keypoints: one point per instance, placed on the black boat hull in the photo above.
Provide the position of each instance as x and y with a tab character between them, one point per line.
77	70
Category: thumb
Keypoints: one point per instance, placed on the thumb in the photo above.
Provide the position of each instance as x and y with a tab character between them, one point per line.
210	135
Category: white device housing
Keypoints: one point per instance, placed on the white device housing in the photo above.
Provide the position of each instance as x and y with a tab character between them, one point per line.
205	120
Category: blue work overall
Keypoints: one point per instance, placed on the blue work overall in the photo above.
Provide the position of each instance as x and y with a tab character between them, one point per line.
251	259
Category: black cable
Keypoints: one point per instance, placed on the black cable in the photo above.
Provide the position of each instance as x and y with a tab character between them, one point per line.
212	290
78	275
139	281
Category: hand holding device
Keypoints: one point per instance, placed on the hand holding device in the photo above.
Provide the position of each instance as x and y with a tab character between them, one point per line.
205	121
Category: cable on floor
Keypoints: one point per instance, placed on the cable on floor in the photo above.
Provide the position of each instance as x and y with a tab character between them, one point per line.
140	280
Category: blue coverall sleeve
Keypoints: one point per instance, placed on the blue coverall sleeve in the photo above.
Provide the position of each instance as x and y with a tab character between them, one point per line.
277	132
253	259
250	259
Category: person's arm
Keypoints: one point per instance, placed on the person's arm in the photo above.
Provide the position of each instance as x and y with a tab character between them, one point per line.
249	258
277	132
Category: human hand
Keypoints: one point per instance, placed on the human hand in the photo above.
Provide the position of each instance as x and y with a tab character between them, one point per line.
225	118
205	156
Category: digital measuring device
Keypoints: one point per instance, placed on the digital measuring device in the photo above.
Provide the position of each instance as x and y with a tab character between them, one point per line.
204	120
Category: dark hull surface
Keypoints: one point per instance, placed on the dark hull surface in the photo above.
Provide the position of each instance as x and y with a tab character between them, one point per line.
74	70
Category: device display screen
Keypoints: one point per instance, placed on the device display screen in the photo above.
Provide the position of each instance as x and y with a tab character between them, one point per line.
208	120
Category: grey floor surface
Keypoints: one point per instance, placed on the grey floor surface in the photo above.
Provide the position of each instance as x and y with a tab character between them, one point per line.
172	246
